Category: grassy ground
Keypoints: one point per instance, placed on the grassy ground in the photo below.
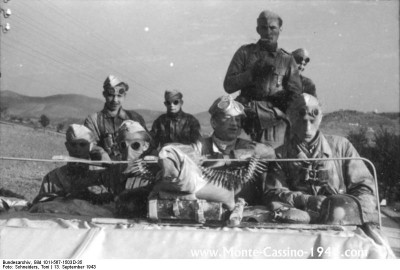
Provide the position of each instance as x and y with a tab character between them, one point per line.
24	177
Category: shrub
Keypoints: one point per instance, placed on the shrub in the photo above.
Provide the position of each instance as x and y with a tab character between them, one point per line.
44	120
384	152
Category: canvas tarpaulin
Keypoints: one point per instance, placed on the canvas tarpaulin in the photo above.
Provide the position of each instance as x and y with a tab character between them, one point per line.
29	236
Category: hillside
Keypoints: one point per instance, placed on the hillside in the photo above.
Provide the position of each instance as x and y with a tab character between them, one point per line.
72	108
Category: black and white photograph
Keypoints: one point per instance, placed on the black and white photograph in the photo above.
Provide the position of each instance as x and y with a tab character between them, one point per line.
204	129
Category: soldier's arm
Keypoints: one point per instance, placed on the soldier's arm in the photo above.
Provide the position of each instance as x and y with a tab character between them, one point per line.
275	189
195	128
359	181
91	123
155	133
237	77
51	187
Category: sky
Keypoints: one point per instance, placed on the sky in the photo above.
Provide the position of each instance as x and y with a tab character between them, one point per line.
71	46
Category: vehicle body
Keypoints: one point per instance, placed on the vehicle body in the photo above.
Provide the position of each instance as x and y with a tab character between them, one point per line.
26	235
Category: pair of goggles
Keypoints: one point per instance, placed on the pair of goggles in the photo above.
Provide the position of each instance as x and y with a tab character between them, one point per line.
228	103
169	103
301	59
313	112
136	145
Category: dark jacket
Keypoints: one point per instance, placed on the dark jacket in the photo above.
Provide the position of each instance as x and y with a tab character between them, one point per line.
180	128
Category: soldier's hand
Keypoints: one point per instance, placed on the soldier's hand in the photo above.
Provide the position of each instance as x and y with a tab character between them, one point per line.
261	69
99	195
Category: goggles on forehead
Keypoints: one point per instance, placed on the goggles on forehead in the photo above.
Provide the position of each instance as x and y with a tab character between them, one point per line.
175	102
227	103
136	145
313	112
113	91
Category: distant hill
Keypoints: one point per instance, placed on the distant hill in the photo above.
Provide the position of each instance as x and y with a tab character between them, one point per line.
72	108
59	108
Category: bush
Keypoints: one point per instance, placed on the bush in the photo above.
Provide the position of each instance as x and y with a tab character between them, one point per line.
44	120
384	152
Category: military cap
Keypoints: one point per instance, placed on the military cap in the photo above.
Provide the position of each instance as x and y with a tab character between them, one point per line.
172	94
132	130
226	105
304	105
266	14
112	81
79	132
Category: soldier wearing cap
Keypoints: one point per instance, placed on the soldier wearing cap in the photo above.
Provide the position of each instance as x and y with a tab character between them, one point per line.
77	181
267	77
180	165
306	184
302	58
105	124
175	125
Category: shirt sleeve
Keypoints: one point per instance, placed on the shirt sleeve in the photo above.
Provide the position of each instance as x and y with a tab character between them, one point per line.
237	77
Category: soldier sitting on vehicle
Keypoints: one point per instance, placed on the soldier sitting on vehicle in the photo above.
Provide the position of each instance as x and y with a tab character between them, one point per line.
175	125
302	58
309	186
105	124
187	173
138	176
76	188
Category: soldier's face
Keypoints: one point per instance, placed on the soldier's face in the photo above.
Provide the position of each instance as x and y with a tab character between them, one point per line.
173	105
132	148
302	60
305	128
269	30
114	99
227	127
78	148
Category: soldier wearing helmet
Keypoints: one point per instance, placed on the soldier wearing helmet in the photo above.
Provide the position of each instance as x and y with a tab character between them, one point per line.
105	124
302	58
180	164
306	184
267	77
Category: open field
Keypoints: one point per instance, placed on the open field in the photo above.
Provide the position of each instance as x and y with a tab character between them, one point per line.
24	177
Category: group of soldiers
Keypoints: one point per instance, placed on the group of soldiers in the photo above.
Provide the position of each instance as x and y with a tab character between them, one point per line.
277	107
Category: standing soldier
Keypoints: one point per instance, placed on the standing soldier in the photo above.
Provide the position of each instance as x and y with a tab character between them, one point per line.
268	78
302	58
105	124
175	125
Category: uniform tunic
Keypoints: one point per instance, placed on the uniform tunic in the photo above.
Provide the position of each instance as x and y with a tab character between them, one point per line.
277	87
105	127
288	183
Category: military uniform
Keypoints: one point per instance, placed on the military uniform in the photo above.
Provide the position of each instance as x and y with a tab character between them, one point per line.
180	128
78	182
105	128
294	182
268	96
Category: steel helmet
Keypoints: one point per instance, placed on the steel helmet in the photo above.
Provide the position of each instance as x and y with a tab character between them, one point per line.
341	209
